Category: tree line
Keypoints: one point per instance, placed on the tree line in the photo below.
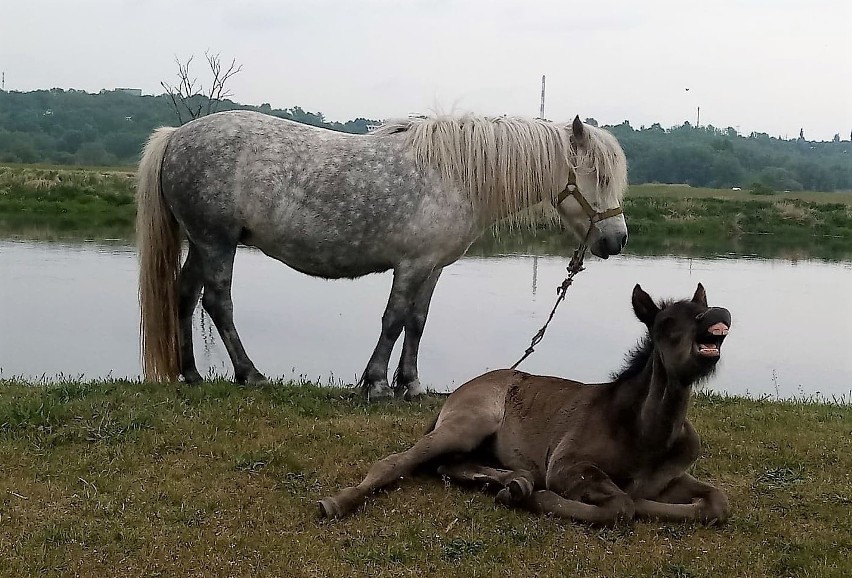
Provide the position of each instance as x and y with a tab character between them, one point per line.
107	129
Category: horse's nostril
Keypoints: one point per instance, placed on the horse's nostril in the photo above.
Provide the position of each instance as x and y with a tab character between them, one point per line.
623	240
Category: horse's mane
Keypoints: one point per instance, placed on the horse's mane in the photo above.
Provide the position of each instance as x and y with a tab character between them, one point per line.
506	164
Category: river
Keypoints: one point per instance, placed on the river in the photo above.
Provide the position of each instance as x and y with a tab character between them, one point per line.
70	309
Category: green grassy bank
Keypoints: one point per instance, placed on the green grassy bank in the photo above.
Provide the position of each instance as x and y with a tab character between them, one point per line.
128	479
42	202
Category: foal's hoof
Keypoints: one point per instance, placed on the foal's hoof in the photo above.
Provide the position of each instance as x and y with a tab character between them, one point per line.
516	491
329	508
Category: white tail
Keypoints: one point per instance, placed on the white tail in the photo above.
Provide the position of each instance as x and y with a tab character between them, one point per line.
158	243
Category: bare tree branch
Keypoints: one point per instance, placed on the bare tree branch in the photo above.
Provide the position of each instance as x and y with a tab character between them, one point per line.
217	89
188	96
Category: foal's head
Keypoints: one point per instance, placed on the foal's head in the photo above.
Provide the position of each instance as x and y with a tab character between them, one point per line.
688	335
599	173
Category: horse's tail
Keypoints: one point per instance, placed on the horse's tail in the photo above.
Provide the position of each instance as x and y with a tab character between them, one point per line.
158	242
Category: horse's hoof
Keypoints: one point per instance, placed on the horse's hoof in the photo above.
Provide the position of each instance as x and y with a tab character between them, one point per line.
378	390
328	508
255	378
191	377
414	390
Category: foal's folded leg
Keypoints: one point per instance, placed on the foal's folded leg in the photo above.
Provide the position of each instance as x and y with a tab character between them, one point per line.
515	485
686	498
582	492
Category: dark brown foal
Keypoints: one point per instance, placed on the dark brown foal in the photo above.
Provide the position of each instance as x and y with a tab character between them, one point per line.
593	453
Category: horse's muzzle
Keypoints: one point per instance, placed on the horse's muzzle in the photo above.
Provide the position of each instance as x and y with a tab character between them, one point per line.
609	245
712	317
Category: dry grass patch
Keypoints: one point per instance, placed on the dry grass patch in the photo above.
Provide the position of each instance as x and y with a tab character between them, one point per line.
795	212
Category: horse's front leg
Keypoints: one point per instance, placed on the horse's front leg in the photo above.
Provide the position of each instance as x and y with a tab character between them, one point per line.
686	498
407	280
407	382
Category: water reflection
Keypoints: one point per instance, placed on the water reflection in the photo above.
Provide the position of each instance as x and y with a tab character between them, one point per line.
71	308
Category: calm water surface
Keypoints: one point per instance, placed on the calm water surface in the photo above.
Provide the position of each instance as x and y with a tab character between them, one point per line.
71	309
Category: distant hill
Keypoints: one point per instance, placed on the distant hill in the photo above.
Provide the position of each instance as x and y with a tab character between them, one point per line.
76	127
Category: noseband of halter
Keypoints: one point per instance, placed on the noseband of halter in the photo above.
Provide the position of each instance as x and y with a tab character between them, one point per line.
572	190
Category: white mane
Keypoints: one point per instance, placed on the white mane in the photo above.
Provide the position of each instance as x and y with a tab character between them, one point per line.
509	164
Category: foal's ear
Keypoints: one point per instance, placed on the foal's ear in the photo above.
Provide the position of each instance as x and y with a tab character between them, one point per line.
644	307
578	130
700	296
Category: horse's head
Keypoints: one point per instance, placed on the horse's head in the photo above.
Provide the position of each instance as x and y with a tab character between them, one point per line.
687	334
594	189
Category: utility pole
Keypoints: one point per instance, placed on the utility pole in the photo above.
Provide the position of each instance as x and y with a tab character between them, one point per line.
698	117
3	85
535	257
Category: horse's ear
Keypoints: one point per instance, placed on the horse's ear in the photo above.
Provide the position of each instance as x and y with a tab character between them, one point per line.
578	130
700	296
644	307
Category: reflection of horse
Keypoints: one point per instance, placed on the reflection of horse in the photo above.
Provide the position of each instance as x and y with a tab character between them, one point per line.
411	196
594	453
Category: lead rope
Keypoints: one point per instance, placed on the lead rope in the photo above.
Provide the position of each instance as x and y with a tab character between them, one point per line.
574	267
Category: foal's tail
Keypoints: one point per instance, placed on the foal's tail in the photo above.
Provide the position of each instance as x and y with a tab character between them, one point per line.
158	242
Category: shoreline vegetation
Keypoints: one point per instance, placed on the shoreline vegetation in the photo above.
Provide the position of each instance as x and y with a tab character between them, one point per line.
122	477
44	202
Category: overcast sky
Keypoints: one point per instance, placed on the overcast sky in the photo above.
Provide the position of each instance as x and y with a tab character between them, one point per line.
761	65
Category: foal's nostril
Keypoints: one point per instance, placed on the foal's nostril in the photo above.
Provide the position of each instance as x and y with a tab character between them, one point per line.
623	240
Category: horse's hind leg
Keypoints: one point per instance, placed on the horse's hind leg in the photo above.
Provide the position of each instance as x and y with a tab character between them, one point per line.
218	265
461	434
191	282
407	380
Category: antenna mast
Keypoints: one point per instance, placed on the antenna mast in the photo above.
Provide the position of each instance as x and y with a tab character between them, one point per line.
541	110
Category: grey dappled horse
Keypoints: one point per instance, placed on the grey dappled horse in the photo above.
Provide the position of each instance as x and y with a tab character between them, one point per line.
411	197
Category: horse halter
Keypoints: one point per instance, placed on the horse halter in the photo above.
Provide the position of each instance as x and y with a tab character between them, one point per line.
572	190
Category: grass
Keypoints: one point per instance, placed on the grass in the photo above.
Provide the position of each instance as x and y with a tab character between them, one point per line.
126	478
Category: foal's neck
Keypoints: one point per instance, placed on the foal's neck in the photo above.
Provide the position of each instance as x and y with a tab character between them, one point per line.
659	402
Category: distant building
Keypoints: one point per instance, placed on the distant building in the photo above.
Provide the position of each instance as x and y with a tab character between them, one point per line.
371	126
130	91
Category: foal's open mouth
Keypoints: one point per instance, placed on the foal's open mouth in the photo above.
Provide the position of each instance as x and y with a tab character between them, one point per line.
710	342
